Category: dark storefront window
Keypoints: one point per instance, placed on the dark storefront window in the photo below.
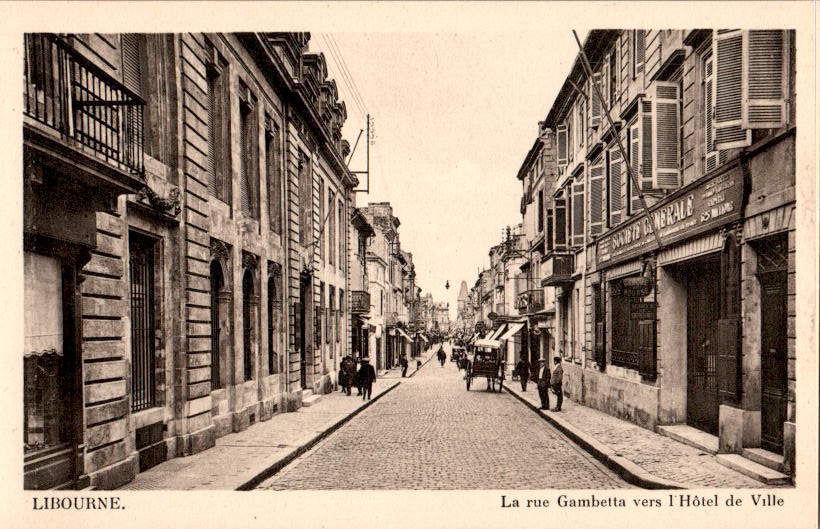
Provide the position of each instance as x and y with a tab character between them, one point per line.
45	375
217	282
273	308
247	319
633	325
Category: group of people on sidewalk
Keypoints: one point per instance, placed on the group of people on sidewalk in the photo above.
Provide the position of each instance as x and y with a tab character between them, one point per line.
545	380
361	377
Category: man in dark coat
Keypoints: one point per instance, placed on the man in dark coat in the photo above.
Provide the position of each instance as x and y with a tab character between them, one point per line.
523	370
441	356
403	362
543	383
557	382
367	375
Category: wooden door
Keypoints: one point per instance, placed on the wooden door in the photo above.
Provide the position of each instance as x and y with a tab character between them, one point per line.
703	312
774	391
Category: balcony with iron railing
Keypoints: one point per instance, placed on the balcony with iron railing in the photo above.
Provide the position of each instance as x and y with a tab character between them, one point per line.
90	110
557	268
530	302
359	302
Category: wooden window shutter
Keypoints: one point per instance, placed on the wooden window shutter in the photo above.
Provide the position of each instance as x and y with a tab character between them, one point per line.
623	73
640	50
560	222
635	164
765	79
214	132
578	211
132	62
614	186
709	111
596	197
666	137
728	53
562	144
595	105
244	165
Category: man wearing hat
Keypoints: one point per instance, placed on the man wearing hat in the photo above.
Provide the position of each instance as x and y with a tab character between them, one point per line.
367	375
557	382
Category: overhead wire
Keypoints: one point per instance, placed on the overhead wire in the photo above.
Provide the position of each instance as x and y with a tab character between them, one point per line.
359	107
347	69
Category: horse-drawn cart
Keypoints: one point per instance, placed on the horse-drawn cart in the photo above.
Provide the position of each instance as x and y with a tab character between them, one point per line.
488	362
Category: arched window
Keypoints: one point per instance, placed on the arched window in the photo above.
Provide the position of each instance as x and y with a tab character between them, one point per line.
217	282
247	316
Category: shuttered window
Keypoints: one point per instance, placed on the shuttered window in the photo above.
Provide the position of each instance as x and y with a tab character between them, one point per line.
613	78
728	50
560	222
713	156
550	228
766	80
562	144
331	228
305	200
342	236
132	50
540	211
219	180
595	104
634	152
248	165
596	197
666	141
274	177
578	211
614	183
638	50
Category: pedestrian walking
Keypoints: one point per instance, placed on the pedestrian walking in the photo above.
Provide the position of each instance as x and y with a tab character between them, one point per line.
348	372
441	356
404	363
367	375
543	384
557	382
356	379
523	370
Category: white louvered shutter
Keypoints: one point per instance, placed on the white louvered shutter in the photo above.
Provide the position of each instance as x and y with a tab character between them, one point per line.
596	197
728	53
635	164
614	186
623	73
640	50
560	222
666	137
709	113
595	106
765	80
562	144
578	211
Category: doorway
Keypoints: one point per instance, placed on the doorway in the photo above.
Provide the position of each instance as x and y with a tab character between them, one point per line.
304	297
703	312
772	267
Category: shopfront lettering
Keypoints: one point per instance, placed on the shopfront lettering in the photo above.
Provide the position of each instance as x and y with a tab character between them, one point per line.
691	211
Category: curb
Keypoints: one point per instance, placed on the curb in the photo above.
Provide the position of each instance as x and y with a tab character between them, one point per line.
280	464
419	369
625	468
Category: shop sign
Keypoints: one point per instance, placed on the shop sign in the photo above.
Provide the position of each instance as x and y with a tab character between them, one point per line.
692	210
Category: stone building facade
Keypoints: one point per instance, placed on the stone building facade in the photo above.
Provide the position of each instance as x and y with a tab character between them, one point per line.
678	333
213	286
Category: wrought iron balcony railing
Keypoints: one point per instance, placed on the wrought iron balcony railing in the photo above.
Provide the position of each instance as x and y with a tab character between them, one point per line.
359	302
530	301
68	93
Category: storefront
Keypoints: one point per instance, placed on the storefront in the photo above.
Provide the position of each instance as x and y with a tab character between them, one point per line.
668	331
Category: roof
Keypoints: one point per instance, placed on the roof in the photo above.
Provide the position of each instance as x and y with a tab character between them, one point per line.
596	43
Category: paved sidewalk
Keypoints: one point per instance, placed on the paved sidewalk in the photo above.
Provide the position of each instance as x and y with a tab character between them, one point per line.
241	460
641	456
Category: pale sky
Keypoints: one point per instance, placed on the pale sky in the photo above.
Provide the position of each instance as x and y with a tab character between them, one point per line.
454	116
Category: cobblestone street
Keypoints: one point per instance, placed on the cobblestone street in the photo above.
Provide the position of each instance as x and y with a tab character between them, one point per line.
430	433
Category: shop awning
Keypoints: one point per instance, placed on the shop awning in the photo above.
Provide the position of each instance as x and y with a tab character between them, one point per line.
424	338
486	342
498	332
512	331
407	336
